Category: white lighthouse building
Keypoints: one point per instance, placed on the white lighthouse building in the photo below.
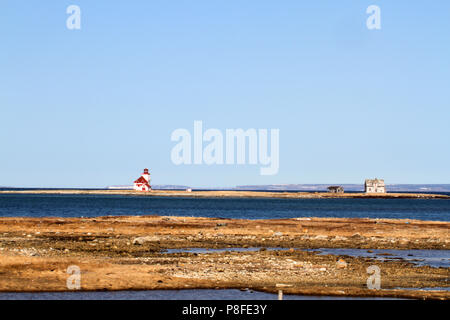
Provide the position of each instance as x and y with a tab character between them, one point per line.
143	183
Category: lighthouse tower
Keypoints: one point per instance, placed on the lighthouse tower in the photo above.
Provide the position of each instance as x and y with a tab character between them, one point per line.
143	183
146	175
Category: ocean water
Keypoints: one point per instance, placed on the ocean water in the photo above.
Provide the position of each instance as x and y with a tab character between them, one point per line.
35	205
432	258
199	294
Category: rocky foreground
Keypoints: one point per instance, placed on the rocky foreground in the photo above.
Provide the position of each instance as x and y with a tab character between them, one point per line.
128	253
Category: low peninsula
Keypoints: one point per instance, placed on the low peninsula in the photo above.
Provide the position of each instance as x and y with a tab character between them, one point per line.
231	194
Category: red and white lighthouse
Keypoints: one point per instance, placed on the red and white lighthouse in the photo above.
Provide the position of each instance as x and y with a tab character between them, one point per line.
143	183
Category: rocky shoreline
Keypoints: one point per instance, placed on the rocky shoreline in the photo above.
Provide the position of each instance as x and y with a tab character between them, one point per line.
129	253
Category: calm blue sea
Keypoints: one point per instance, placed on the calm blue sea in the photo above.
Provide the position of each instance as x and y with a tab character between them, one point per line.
34	205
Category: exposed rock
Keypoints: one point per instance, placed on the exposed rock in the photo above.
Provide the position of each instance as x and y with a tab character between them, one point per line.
283	285
278	234
341	264
142	240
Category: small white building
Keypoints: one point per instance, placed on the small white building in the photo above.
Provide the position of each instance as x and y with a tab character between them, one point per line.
374	186
143	183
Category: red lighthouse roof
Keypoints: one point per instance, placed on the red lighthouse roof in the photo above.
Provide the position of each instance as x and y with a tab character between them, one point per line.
141	180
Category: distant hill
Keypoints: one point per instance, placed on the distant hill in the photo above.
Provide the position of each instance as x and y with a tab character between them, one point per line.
348	187
155	187
169	187
419	187
299	187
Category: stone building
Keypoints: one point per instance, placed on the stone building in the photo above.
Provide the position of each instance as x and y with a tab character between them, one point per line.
374	186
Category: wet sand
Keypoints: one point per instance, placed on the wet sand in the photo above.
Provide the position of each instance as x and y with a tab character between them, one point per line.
127	253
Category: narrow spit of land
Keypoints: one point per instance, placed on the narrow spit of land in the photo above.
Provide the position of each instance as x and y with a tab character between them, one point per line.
127	253
232	194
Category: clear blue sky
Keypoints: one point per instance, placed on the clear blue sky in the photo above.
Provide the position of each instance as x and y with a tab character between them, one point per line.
93	107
